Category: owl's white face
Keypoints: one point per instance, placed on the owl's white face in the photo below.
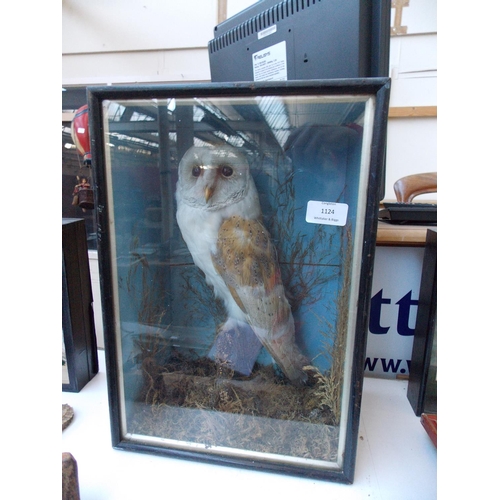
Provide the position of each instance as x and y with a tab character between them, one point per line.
213	177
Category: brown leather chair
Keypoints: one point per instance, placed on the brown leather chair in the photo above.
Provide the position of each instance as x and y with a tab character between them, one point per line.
410	186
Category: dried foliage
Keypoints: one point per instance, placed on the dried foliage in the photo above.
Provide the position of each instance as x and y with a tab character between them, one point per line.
188	399
307	261
329	385
195	291
150	297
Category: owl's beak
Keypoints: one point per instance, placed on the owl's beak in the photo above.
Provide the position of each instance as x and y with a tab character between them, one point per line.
209	191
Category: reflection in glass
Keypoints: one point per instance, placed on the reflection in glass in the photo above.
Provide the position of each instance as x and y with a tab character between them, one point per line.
75	171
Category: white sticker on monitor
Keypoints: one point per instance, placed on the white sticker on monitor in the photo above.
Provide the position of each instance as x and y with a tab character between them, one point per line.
268	31
326	212
270	64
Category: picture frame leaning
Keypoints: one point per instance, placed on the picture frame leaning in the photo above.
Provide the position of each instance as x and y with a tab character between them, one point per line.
236	236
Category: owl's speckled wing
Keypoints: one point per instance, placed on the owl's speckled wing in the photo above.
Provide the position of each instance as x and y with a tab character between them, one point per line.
246	260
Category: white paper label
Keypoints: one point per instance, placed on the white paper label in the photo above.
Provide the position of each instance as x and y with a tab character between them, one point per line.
266	32
326	212
270	64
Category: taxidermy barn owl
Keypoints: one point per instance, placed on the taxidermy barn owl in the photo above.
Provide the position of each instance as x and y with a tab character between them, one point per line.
219	215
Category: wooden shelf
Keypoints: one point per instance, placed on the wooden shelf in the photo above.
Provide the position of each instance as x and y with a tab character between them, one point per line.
413	112
401	235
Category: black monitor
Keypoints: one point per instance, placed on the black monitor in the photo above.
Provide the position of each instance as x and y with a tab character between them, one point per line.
302	40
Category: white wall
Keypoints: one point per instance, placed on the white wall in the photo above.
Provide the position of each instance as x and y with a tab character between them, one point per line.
412	142
111	41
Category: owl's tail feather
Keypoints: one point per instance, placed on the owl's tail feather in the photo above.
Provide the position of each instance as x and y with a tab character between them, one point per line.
280	343
290	359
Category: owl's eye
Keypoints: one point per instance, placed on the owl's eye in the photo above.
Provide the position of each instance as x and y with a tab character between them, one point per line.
196	171
226	171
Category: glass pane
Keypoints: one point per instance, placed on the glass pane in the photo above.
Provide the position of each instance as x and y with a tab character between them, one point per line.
261	200
74	170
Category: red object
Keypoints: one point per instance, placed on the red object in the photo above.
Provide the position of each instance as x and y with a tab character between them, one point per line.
80	133
430	425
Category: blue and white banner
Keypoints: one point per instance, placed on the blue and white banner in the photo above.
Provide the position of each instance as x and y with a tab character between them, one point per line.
393	311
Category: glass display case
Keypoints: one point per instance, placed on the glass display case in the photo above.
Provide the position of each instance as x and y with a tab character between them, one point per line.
236	237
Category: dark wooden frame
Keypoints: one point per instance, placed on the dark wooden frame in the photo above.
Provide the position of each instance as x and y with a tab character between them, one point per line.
77	307
379	89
